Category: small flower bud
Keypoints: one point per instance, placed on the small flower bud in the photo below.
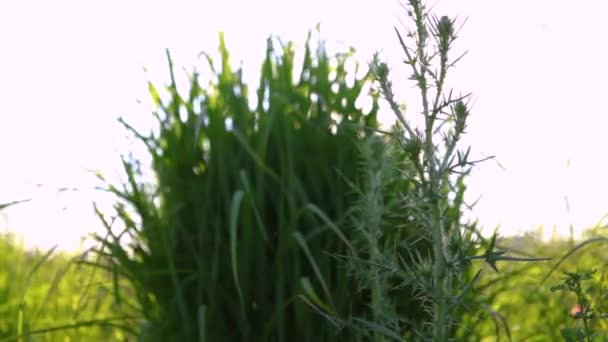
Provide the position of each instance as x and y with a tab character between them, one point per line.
445	27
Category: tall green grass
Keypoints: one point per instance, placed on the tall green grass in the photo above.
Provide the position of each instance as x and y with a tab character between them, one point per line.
241	234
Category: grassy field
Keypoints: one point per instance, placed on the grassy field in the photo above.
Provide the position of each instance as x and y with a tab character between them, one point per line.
50	296
298	219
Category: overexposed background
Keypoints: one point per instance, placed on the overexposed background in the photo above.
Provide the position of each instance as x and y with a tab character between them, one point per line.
68	70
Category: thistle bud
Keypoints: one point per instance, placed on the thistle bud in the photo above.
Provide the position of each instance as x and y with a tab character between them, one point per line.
445	27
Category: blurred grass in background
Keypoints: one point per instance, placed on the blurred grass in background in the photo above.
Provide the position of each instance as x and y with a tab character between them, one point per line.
50	296
518	301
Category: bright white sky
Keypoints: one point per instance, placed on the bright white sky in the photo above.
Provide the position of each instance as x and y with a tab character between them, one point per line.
68	70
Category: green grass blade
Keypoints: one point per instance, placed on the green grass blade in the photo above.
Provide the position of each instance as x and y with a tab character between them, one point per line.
234	217
302	242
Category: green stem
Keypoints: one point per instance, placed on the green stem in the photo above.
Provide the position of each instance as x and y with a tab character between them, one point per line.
583	310
441	280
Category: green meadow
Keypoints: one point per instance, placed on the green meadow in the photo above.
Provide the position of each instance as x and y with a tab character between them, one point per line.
301	218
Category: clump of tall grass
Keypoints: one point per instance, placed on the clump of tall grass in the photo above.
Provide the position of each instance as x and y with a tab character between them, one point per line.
236	239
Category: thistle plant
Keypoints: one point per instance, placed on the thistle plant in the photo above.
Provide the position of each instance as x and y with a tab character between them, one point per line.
435	162
441	277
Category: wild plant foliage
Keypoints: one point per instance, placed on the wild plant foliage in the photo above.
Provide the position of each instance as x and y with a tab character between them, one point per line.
435	169
237	239
298	219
